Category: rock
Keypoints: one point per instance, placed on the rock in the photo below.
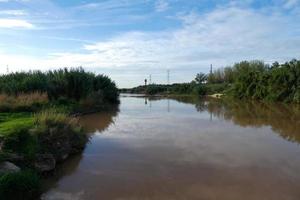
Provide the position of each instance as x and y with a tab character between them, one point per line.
45	162
12	157
8	167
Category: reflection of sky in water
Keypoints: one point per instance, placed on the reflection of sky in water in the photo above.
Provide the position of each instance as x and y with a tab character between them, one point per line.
152	149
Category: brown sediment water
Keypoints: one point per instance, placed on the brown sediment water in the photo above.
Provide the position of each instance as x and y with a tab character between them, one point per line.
185	148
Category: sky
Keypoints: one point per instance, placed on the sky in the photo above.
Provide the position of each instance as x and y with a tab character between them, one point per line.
130	39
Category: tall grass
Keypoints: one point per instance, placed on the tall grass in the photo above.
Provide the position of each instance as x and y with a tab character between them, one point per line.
53	116
73	84
22	101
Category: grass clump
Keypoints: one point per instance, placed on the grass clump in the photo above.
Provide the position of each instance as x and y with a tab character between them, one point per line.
58	133
20	185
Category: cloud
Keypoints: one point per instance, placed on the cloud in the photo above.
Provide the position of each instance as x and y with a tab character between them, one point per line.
13	12
161	5
15	23
290	3
220	37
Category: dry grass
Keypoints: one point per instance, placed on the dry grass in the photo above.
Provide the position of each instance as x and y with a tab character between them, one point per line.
53	116
22	101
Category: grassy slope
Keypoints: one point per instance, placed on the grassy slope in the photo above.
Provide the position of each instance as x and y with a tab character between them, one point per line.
9	122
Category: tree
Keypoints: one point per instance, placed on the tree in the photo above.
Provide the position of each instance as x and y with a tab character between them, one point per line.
200	78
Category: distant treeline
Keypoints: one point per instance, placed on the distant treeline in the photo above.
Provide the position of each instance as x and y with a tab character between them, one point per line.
75	84
247	79
257	80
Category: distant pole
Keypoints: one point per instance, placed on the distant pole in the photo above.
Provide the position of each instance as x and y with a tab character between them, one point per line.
211	70
145	82
150	77
168	76
7	69
168	80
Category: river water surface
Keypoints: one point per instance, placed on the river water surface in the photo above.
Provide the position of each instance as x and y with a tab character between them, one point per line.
185	148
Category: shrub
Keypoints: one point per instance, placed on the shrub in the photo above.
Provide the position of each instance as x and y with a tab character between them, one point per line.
58	133
200	90
73	84
19	186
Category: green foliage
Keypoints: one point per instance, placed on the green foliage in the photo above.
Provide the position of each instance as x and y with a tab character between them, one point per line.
200	90
19	186
201	78
221	75
57	133
156	89
215	88
257	80
74	84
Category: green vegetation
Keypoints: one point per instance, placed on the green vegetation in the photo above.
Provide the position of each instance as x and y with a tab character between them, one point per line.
60	85
19	185
257	80
192	88
244	80
36	127
10	122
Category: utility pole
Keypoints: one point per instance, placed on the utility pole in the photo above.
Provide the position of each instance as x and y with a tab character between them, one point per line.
7	69
168	76
211	70
150	76
168	80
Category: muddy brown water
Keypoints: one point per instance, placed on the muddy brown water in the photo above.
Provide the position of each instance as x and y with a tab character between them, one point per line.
185	148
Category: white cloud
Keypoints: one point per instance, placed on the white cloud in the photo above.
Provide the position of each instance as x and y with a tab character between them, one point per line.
161	5
13	12
15	23
221	37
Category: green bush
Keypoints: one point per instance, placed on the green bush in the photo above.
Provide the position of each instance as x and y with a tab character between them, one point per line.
200	90
19	186
58	133
72	84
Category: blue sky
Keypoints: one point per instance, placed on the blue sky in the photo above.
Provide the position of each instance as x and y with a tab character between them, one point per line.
130	39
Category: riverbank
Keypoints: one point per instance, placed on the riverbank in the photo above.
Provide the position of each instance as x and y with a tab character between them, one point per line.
253	80
39	125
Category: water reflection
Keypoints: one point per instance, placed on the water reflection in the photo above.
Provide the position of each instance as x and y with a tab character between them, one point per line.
284	119
98	122
92	123
187	148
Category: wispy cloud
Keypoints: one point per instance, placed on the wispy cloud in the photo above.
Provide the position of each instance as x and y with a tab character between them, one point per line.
13	12
15	23
220	36
161	5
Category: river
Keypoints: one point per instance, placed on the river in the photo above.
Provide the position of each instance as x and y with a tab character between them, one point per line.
185	148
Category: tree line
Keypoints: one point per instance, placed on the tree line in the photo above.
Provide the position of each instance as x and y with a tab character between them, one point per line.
258	80
244	80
